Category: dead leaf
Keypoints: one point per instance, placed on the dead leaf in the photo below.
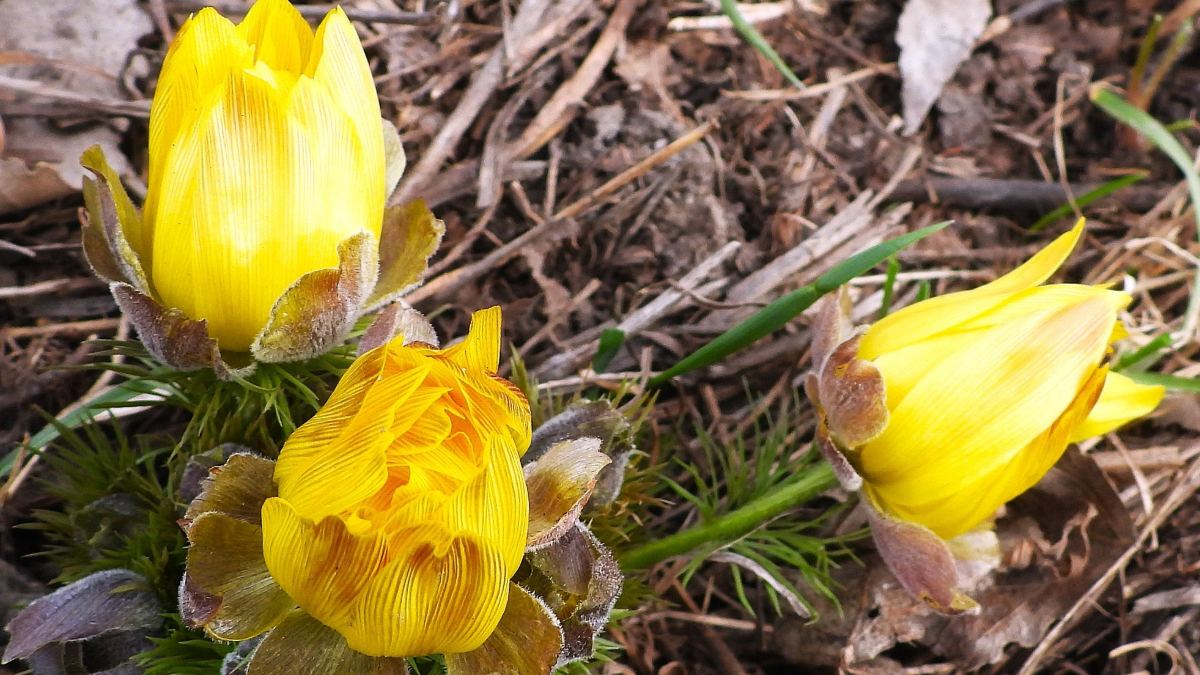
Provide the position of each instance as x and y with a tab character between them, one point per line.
934	36
81	47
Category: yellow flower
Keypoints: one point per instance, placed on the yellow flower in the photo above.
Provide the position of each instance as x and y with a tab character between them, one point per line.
985	388
402	511
266	152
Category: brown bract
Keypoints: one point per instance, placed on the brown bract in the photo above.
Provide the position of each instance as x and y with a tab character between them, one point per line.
315	314
851	400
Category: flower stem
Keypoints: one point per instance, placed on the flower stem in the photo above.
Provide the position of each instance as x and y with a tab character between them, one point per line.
735	524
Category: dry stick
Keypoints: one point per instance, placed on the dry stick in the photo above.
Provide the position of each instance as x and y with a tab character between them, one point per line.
463	275
645	316
484	83
73	328
985	193
559	110
139	109
555	113
1183	490
553	321
311	12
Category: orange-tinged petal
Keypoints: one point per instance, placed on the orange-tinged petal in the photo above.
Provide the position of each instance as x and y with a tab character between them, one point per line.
1122	400
480	350
443	594
494	505
280	36
324	567
978	407
928	318
354	466
318	433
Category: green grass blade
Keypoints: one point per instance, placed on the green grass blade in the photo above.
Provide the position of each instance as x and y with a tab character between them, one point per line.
1137	357
1171	382
1141	121
750	34
1085	199
610	344
775	315
119	394
889	286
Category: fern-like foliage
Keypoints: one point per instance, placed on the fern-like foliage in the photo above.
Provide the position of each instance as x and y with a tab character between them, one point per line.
183	651
724	477
259	410
118	508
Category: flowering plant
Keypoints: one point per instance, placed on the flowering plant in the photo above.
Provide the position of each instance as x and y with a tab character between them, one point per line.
264	234
395	521
945	410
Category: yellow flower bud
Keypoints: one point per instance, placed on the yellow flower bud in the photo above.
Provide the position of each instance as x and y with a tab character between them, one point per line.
266	152
402	511
985	388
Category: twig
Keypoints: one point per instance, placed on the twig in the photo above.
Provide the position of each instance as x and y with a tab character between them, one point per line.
456	278
40	288
139	109
813	91
558	110
312	12
72	328
1016	194
484	83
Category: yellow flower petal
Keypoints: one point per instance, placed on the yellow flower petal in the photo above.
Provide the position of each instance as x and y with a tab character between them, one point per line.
480	350
280	36
205	51
324	567
318	433
1121	401
444	594
354	466
928	318
1008	386
337	64
976	500
247	206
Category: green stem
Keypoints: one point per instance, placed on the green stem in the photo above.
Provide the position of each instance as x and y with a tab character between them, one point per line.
733	525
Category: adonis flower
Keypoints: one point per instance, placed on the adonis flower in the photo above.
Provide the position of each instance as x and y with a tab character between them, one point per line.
395	522
264	230
947	409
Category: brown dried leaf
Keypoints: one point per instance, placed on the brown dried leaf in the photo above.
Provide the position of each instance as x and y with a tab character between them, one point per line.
410	235
934	36
317	312
853	396
81	47
225	561
559	485
301	645
526	642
